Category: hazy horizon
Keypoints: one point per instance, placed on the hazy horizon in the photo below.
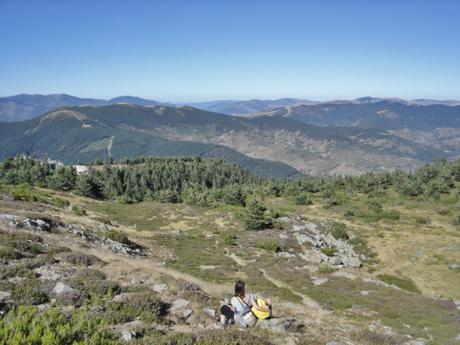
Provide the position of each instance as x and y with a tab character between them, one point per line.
179	102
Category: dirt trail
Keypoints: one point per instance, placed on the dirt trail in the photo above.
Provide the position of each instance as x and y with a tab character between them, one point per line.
307	301
109	147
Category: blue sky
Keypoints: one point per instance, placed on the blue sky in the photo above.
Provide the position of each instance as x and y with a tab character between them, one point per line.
203	50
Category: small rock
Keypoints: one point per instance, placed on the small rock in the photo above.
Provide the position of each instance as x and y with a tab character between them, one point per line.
311	227
335	261
453	266
351	261
186	313
347	275
123	297
61	288
285	255
127	335
128	331
44	225
283	236
4	296
209	311
333	343
136	282
416	342
159	288
457	338
457	303
179	304
365	292
319	281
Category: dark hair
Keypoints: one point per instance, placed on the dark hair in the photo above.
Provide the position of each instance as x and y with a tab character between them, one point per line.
240	288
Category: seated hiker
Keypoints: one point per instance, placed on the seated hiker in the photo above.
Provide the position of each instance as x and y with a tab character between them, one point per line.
244	308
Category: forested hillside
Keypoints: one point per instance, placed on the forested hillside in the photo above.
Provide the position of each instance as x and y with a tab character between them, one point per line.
267	145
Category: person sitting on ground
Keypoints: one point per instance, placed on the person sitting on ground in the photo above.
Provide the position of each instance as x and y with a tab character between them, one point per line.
244	308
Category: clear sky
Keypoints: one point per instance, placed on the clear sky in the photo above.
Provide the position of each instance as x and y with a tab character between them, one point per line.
201	50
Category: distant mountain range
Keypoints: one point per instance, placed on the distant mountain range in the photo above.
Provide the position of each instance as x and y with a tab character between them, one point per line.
24	106
235	107
383	114
270	145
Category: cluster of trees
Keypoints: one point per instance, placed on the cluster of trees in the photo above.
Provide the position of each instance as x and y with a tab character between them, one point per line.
193	180
206	182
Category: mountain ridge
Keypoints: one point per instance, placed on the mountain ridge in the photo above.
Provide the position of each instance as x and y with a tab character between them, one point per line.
25	106
84	132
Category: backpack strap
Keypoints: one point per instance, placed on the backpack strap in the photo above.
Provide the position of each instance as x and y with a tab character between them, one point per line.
242	300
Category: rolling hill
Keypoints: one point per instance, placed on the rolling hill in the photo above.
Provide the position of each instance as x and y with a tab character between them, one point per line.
266	145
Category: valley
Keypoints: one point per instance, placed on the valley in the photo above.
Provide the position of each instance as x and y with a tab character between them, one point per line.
269	144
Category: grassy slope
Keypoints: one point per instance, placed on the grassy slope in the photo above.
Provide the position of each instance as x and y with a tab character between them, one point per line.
211	245
395	242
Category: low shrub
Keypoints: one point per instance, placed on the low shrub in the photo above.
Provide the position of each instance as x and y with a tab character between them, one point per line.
93	284
59	202
22	192
192	291
7	253
302	199
28	292
120	237
456	220
339	231
268	245
403	283
444	211
373	338
80	259
228	239
25	266
423	220
69	298
144	305
213	337
329	251
27	325
78	211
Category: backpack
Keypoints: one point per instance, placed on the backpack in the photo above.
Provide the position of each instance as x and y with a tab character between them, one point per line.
261	314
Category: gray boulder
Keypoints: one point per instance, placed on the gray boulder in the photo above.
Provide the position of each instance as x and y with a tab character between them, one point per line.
38	224
210	312
65	295
4	296
159	288
181	309
319	281
128	331
123	297
282	325
61	288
